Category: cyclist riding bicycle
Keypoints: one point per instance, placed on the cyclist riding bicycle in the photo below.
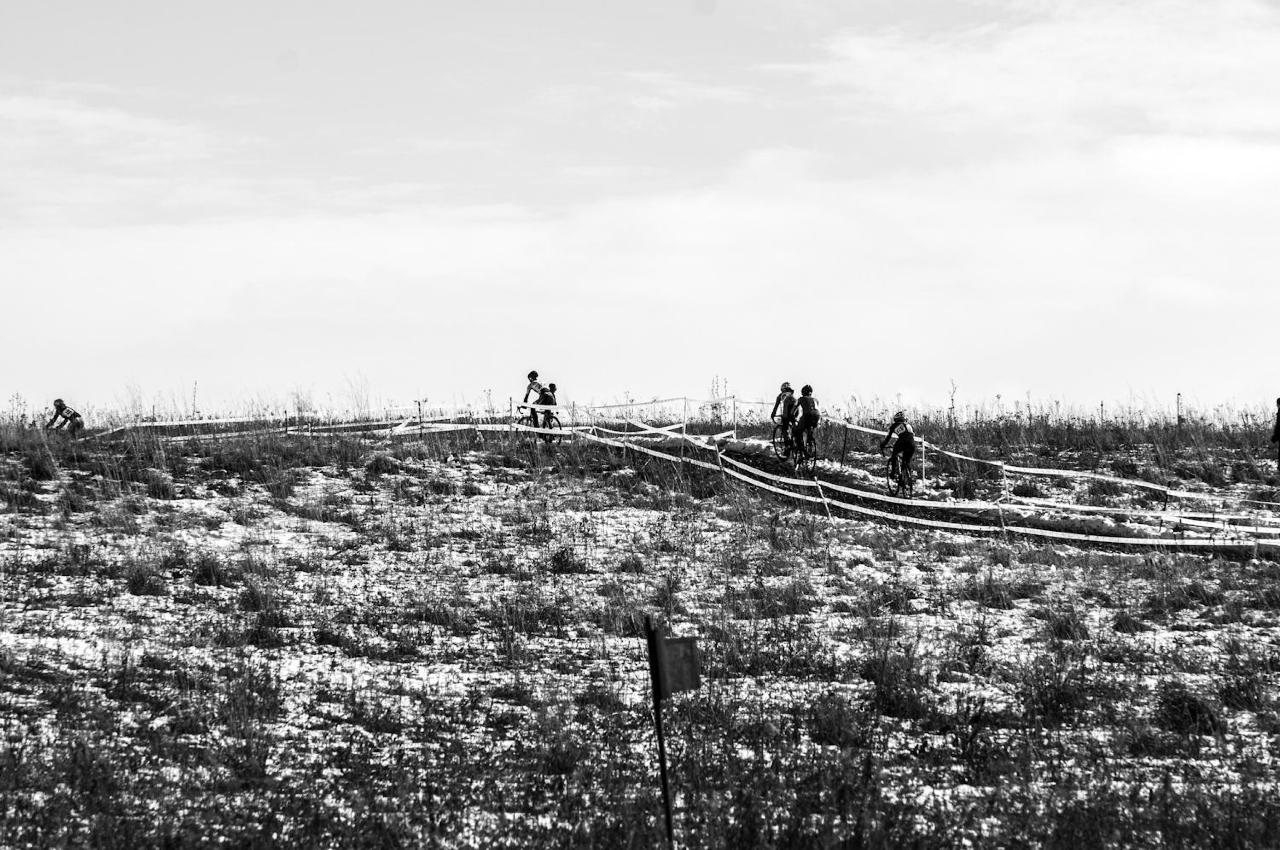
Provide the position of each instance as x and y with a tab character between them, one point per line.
787	401
809	418
71	420
535	389
546	397
903	438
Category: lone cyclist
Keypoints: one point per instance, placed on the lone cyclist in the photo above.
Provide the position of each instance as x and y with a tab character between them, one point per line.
787	401
71	420
1275	434
809	418
904	442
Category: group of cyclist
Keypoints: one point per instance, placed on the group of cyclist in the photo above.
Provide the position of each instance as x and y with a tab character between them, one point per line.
797	417
543	396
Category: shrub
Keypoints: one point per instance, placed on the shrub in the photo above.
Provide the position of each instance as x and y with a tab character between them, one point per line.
899	680
1127	624
39	462
1054	689
1179	710
210	570
142	579
159	485
834	720
1027	490
1066	624
382	464
1103	489
565	561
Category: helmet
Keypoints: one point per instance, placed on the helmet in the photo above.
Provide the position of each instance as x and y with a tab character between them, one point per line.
786	387
533	376
900	416
551	387
806	390
57	402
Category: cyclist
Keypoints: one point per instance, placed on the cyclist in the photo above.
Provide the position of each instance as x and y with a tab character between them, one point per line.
903	438
71	420
546	397
1275	434
534	389
809	418
787	401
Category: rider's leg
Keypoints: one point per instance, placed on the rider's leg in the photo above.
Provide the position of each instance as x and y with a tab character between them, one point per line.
902	458
907	454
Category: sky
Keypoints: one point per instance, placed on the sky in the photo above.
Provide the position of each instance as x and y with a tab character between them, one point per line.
245	201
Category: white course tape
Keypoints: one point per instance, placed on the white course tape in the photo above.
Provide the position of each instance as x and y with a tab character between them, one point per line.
739	470
630	404
1100	509
1047	472
1202	543
794	482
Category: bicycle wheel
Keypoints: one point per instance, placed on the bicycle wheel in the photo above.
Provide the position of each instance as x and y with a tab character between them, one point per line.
780	440
890	480
552	422
806	454
908	483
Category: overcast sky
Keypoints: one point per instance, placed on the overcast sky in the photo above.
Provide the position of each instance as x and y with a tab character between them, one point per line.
1080	201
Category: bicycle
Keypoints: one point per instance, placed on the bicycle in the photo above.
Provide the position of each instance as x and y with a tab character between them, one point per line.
805	452
782	439
899	481
550	422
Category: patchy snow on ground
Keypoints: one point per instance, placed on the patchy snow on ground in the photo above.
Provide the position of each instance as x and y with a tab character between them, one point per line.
445	645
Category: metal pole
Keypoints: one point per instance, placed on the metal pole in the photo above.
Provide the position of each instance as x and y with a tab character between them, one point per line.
654	637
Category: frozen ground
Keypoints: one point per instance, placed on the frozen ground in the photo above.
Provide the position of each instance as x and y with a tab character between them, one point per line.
439	644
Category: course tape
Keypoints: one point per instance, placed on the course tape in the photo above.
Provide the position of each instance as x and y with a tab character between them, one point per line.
1100	509
769	482
1047	472
1051	534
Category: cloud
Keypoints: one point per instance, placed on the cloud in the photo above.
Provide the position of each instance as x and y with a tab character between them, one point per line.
53	128
1073	72
664	90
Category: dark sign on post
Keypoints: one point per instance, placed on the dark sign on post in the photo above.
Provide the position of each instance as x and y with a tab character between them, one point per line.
674	663
674	666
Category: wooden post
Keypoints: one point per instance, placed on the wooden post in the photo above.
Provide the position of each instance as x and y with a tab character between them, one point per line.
684	437
844	443
825	503
735	416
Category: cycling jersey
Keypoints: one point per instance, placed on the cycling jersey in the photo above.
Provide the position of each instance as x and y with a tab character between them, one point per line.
809	409
534	389
545	396
903	433
68	417
787	400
